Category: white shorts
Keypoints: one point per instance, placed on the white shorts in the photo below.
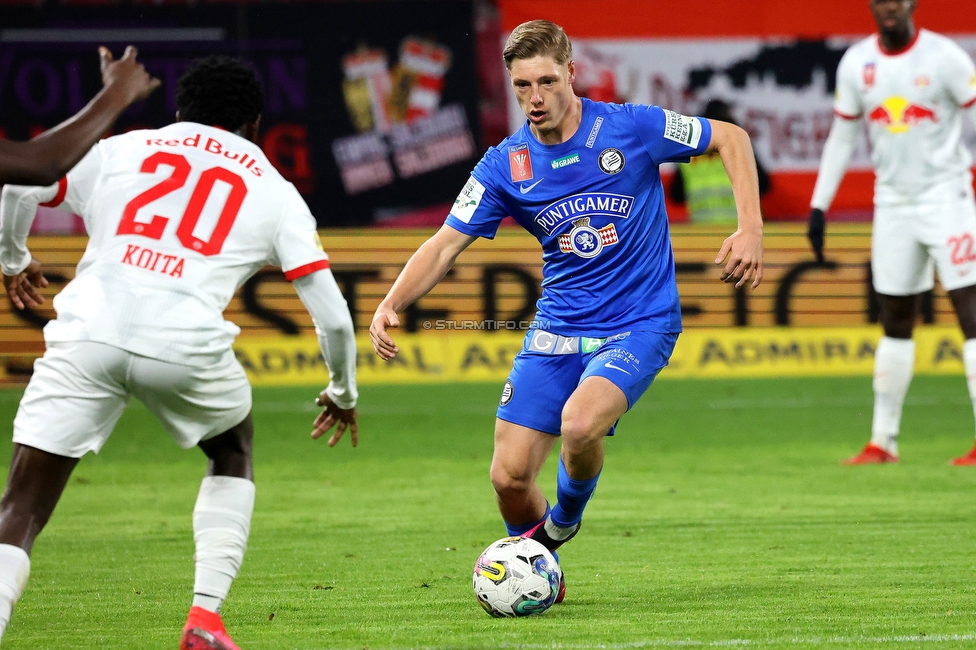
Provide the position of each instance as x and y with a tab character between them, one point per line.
909	243
79	390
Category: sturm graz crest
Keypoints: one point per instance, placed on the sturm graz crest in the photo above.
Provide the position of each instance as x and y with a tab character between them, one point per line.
584	239
507	393
611	160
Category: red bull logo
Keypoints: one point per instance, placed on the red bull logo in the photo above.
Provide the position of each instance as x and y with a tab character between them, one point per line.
898	115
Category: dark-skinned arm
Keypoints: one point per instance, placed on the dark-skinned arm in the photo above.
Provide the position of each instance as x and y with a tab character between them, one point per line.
49	156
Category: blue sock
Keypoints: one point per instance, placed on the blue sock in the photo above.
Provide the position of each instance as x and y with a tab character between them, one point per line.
514	530
571	497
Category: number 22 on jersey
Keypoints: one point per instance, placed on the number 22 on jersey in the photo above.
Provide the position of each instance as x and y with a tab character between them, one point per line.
194	208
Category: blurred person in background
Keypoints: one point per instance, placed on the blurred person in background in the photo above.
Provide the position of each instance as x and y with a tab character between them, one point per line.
47	157
912	87
702	183
143	318
582	176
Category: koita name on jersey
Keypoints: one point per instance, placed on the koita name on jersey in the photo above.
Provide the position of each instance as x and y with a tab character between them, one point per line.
146	258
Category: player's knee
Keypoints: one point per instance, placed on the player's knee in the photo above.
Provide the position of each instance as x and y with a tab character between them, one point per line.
508	483
227	446
232	447
229	455
898	316
964	302
580	430
898	329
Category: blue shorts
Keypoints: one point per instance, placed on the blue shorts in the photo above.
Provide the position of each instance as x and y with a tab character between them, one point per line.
549	368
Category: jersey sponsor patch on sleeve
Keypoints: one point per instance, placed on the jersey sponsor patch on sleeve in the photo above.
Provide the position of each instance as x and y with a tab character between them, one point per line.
681	128
468	200
869	74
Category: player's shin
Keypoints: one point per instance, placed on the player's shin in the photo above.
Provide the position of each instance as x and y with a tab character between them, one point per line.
221	523
969	364
14	571
515	530
894	362
571	498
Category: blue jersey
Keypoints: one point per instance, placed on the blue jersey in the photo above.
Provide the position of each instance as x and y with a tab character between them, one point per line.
596	204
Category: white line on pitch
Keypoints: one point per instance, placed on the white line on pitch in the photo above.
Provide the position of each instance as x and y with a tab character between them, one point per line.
732	643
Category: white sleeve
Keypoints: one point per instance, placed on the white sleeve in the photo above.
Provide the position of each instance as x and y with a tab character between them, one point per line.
297	247
320	294
19	203
18	207
836	155
76	188
848	99
972	113
960	75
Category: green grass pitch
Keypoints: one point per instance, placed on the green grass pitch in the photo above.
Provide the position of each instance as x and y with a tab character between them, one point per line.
722	518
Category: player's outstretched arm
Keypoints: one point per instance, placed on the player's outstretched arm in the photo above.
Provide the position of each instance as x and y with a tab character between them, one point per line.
816	227
22	287
49	156
422	272
837	153
22	275
334	326
335	416
741	253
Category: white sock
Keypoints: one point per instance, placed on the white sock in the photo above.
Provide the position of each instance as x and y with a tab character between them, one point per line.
14	571
558	533
894	363
969	363
221	523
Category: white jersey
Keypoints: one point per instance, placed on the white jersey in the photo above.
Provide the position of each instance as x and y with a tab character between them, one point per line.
177	218
912	101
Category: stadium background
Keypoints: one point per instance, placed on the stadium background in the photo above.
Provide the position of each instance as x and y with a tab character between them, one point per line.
378	122
723	517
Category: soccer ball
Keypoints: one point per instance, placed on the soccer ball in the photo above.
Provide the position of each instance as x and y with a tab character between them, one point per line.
516	577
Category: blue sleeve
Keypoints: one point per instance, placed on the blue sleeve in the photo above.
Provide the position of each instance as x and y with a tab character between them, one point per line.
668	136
478	211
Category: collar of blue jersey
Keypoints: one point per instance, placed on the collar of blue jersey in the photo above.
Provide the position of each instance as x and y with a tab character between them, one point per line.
574	143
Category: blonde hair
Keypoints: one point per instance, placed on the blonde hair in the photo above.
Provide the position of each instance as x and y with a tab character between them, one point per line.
537	38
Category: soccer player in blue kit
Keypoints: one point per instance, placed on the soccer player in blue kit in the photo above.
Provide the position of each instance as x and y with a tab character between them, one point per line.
583	178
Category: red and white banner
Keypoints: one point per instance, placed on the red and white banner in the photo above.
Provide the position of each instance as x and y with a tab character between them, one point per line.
774	65
781	92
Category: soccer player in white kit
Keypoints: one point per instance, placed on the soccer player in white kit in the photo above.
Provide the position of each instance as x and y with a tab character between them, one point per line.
912	87
178	218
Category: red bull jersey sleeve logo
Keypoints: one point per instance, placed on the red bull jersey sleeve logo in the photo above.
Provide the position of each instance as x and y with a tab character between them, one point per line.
868	74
